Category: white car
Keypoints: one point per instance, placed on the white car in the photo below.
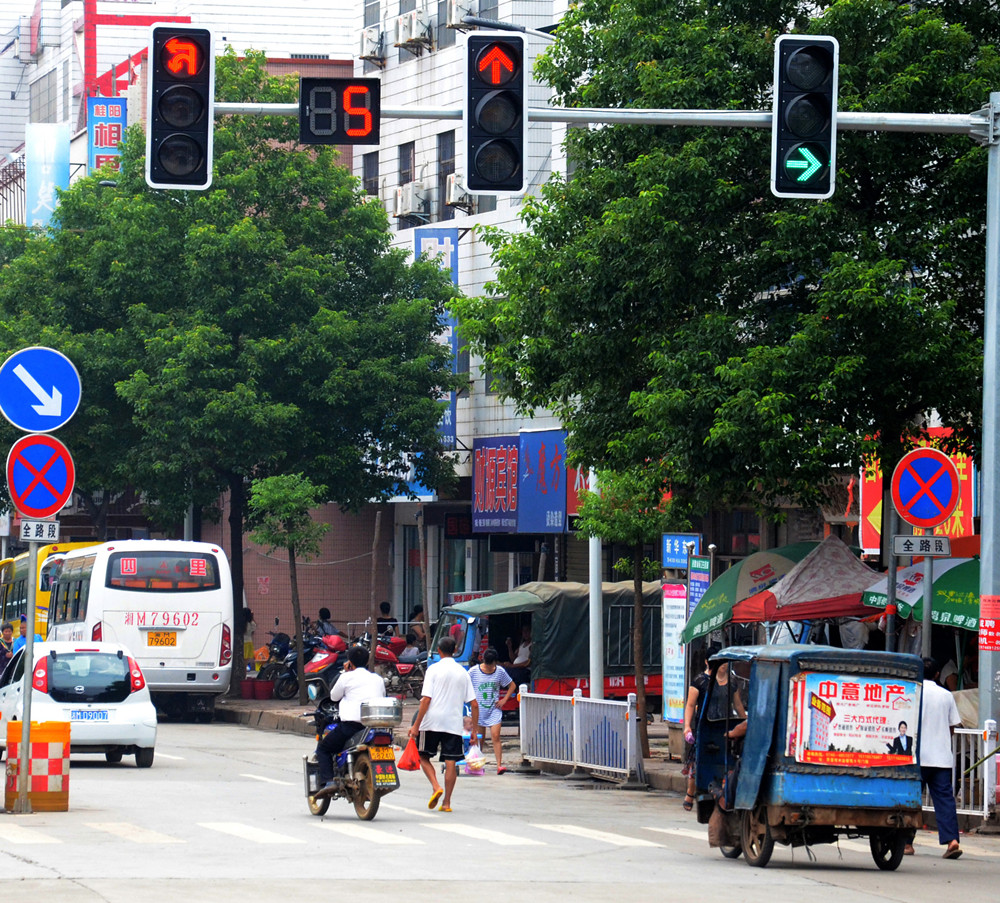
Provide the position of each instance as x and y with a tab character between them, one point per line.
97	687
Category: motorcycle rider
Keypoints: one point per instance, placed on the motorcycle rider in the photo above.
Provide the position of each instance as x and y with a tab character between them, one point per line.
356	685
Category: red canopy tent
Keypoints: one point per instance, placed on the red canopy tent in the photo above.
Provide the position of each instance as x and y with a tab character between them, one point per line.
827	583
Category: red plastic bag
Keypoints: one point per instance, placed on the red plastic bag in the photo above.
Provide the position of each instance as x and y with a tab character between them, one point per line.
409	759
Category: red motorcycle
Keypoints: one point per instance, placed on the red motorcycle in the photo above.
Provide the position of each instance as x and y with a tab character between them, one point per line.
323	669
401	678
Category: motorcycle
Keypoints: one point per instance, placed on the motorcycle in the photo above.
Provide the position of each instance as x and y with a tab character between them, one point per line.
323	670
404	678
365	770
277	651
285	673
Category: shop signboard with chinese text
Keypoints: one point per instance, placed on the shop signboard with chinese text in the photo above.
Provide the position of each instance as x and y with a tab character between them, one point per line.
495	484
542	482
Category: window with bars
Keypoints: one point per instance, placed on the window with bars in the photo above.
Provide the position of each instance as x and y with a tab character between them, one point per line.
369	173
446	166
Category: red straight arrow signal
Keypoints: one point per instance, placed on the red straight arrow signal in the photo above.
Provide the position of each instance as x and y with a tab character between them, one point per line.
183	54
496	60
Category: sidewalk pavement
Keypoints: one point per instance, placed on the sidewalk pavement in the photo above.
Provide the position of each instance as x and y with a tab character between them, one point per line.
662	773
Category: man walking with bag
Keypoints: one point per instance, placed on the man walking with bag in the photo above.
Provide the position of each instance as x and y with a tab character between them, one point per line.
438	725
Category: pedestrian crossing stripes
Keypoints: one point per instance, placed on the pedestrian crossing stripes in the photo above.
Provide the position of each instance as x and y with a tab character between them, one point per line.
20	835
478	834
618	840
132	833
369	834
249	832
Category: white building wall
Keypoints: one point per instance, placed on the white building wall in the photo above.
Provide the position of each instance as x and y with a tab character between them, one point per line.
435	78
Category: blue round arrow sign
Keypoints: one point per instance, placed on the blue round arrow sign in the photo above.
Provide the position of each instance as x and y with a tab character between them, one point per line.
39	389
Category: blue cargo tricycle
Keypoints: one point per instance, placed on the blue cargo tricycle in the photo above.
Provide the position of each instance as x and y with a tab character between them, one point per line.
804	744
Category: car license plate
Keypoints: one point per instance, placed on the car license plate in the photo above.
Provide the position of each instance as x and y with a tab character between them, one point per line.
88	715
382	753
161	638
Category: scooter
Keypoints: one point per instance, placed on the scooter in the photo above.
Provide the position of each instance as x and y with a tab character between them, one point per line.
365	770
323	670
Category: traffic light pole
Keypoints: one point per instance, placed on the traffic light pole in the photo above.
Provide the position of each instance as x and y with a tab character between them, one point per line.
983	126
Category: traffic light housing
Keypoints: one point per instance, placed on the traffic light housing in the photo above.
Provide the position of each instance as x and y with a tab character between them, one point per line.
180	107
804	128
339	110
495	113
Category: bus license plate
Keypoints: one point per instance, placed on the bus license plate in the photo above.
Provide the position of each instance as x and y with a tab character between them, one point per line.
382	753
161	638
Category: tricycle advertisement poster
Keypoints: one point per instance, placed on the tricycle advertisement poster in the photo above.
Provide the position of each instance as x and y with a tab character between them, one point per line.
852	720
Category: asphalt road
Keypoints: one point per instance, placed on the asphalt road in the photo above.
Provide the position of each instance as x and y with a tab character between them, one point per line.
221	817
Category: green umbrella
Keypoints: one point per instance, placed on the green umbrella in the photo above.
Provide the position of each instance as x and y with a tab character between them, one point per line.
955	602
754	573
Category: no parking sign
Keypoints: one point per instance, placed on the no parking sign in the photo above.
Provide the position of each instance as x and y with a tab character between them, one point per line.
925	487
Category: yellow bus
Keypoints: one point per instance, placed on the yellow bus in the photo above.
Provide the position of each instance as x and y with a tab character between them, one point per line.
14	584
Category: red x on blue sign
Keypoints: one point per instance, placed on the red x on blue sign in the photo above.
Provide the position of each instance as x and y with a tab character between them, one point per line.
925	487
40	475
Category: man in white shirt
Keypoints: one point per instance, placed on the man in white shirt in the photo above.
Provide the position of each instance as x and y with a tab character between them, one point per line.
354	686
439	722
938	719
519	666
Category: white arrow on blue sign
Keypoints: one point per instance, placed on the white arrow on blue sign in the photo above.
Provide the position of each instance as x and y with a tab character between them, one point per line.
39	389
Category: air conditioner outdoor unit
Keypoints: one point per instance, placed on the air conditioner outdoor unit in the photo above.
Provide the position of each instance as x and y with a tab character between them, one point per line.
402	34
372	44
455	194
410	200
458	10
420	26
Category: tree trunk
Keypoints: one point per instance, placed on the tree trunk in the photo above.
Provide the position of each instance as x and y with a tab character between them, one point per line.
300	661
237	503
637	648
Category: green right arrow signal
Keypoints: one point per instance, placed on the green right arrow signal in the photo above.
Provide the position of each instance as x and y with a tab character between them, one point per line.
807	162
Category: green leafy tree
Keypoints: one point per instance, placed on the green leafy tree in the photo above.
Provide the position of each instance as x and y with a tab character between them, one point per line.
667	307
261	327
630	509
280	513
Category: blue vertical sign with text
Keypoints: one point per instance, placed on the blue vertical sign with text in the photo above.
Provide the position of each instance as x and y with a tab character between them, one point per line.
107	118
46	163
443	244
542	482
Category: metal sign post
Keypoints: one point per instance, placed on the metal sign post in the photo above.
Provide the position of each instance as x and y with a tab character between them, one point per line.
23	804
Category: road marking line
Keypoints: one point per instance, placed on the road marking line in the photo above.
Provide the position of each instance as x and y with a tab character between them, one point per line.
160	755
423	813
371	835
134	833
619	840
474	832
18	834
681	832
247	832
257	777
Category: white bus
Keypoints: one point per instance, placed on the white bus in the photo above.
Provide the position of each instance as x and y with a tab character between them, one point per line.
170	602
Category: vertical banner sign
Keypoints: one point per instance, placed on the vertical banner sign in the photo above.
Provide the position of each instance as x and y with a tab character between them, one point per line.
107	118
989	624
46	161
542	482
674	616
495	489
443	244
699	580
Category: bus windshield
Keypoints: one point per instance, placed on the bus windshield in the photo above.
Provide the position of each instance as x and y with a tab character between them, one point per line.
162	572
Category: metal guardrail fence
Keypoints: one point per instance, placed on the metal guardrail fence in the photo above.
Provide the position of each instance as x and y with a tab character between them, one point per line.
975	792
598	735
